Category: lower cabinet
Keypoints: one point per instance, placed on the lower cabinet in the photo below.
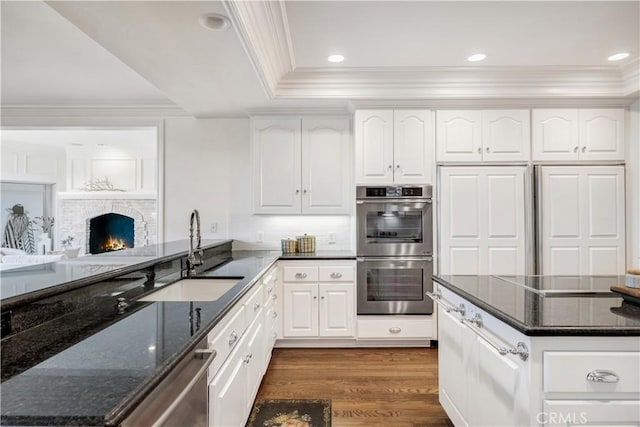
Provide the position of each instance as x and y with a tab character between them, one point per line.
318	299
565	380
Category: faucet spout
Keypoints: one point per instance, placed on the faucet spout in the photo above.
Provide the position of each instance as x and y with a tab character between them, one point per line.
194	260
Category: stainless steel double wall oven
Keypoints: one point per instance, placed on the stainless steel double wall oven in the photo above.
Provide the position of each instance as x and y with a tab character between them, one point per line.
395	249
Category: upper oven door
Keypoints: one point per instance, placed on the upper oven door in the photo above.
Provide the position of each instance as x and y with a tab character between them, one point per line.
394	227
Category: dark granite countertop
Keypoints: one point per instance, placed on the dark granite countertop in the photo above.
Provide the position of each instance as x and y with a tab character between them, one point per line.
100	380
38	281
551	305
320	255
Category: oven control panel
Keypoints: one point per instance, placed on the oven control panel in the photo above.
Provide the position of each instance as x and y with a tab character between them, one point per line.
394	191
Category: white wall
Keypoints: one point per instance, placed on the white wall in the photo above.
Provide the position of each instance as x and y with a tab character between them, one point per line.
208	167
633	185
33	163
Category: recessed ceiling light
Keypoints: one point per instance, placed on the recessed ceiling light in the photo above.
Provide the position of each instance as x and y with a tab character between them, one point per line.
335	58
476	57
618	56
214	21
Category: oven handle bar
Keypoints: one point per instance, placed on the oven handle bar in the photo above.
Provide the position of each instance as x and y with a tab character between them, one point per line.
397	201
427	258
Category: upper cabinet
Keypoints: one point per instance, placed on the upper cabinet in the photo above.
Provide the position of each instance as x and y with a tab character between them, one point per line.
483	135
393	147
572	134
301	166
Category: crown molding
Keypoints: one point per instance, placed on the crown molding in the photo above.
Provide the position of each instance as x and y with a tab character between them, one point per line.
90	111
453	83
263	29
484	103
631	76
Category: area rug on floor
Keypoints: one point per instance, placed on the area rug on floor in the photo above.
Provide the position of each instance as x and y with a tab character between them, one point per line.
291	412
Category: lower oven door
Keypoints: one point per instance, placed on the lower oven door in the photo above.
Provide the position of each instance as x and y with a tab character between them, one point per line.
394	285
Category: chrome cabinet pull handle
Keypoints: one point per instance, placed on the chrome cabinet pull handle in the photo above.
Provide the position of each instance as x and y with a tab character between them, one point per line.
603	376
233	338
437	298
256	306
269	291
335	275
395	330
520	349
301	275
274	296
247	358
275	314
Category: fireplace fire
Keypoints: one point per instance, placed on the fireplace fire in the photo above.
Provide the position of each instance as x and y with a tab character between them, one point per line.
110	232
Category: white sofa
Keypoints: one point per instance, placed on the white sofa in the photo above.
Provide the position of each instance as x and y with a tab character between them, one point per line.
16	258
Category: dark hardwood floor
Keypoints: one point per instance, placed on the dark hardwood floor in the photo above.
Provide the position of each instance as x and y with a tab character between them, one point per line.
367	386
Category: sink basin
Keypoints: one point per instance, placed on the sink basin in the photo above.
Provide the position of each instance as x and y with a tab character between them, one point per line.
193	290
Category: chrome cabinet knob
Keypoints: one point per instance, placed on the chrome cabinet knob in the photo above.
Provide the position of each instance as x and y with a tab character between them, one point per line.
336	275
256	306
247	358
275	314
488	150
584	149
297	191
575	149
233	338
269	291
304	191
479	150
390	167
322	297
315	297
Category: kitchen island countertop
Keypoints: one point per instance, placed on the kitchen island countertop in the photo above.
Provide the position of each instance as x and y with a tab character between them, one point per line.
101	379
550	305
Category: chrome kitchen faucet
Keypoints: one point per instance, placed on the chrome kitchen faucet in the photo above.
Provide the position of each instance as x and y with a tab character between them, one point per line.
192	260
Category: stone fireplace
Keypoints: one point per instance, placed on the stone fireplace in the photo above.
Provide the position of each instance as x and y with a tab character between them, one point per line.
92	218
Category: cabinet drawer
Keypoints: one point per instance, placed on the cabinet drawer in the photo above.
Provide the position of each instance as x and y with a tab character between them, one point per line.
254	304
390	327
567	371
337	274
226	340
300	274
590	412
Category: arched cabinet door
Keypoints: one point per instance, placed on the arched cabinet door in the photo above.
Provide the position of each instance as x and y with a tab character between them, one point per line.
412	149
374	146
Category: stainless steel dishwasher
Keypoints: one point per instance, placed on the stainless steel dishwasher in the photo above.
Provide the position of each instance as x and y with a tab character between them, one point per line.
181	399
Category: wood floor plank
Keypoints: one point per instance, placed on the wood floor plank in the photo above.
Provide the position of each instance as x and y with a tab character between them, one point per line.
367	386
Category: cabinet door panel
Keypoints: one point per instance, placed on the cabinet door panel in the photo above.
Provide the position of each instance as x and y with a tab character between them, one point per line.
412	147
301	308
229	393
601	134
374	146
591	413
497	388
326	162
255	365
453	383
506	135
336	310
276	151
504	260
554	134
458	135
563	260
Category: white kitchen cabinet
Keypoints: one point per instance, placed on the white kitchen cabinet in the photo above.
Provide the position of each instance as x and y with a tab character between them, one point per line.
582	220
482	135
393	147
578	134
301	166
482	220
319	299
478	386
473	376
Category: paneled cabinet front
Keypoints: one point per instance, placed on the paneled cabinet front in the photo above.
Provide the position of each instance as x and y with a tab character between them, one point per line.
483	135
578	134
482	220
301	166
583	220
319	299
393	147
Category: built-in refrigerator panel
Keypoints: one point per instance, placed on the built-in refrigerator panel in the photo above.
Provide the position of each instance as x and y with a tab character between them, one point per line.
580	219
485	220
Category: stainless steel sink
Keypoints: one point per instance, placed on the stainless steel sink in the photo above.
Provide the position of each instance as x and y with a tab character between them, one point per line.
209	289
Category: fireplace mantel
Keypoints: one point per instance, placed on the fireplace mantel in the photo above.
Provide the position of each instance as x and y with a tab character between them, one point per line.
106	195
